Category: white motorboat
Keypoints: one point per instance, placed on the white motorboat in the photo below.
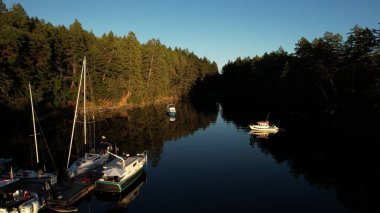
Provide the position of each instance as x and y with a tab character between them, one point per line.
120	173
171	110
264	126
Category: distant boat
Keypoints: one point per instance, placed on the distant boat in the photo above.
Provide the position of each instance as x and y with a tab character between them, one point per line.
264	126
120	173
171	110
89	160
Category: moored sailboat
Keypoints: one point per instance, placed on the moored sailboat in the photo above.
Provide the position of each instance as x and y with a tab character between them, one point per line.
92	159
38	175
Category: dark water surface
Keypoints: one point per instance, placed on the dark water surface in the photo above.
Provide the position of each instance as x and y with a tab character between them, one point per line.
206	161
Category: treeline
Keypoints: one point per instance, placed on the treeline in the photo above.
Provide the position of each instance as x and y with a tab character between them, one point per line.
121	69
327	73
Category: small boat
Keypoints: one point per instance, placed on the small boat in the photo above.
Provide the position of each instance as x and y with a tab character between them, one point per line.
264	126
120	173
170	110
38	176
19	201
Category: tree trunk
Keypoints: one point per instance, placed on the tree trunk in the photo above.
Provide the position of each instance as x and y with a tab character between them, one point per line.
74	74
150	71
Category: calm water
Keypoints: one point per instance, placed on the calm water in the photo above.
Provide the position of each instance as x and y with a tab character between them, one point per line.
221	168
206	161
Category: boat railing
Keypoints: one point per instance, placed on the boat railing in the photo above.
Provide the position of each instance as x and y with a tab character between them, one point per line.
117	156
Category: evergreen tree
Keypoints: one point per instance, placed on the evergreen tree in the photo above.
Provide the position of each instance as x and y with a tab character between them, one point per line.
151	65
132	66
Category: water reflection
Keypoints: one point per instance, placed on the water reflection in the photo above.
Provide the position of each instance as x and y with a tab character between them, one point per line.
171	117
132	131
310	150
326	157
259	136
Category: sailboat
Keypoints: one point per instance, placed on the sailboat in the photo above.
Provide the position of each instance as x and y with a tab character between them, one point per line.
90	160
7	180
40	175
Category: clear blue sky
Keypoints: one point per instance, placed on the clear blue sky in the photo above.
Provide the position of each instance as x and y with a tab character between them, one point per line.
220	30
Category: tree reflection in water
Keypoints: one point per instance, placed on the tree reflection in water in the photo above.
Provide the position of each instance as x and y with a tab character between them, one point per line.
132	131
325	156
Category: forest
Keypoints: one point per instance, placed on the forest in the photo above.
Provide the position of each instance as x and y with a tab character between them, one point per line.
332	73
122	70
328	73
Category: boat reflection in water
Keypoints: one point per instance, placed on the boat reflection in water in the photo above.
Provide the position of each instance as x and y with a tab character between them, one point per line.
260	136
115	201
171	117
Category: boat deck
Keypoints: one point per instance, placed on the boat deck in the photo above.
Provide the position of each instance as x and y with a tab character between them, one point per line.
117	163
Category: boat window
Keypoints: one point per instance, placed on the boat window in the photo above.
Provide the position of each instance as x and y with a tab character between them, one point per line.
134	164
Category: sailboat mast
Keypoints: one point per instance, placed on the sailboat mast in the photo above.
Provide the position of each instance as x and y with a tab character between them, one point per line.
84	101
34	123
268	116
75	117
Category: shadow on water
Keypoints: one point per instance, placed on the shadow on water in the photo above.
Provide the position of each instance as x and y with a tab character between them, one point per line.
326	156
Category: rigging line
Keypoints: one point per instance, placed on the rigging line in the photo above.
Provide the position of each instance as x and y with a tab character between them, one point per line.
93	127
47	146
31	145
40	147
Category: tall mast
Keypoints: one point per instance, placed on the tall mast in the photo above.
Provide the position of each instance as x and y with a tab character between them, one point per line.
75	117
268	116
84	101
34	123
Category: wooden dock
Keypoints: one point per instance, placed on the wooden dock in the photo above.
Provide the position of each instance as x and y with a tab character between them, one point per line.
67	193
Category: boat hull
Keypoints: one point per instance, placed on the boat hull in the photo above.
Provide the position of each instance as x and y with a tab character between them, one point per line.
107	186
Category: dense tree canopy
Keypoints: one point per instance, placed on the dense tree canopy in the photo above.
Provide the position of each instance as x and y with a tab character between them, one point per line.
121	69
327	73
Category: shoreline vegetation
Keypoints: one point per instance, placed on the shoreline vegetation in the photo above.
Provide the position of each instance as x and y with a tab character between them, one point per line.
327	75
121	70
